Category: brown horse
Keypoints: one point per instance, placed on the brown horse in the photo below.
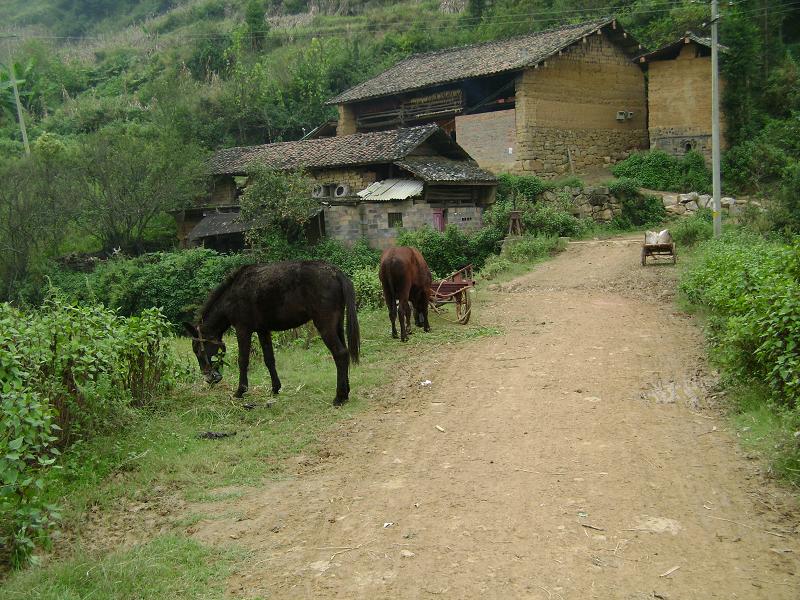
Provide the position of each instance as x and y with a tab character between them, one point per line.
277	297
405	277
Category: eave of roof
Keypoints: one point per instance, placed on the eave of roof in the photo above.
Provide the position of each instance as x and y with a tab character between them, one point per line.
670	51
463	63
437	169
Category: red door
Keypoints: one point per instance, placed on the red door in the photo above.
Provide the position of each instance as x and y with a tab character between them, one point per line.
438	219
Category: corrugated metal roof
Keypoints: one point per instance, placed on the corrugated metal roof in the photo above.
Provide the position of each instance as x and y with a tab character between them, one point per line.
392	189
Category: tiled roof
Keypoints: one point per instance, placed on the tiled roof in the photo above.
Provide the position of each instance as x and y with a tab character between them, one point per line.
435	169
456	64
219	224
356	149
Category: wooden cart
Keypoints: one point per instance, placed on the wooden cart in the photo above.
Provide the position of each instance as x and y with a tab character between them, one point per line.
662	251
455	289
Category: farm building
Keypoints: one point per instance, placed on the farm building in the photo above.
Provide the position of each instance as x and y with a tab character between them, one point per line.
369	185
679	96
547	103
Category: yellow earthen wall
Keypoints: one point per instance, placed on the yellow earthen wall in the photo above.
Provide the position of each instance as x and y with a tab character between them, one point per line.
679	93
567	108
347	120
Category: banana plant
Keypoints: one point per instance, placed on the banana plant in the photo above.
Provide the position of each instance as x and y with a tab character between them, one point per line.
7	103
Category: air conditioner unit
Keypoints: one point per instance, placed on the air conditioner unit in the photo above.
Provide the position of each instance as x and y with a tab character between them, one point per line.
629	115
621	115
342	190
318	191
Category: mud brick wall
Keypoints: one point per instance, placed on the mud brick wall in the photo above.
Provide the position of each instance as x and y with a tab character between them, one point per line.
347	120
581	90
487	138
223	192
680	103
355	178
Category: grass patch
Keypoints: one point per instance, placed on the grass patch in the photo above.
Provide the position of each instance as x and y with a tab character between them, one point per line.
160	454
166	568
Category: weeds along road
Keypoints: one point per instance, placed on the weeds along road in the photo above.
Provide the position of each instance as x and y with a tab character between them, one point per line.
576	456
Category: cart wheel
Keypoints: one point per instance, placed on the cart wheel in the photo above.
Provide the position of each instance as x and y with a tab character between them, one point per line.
644	257
464	307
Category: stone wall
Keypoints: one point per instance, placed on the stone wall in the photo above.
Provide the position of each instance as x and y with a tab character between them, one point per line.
356	179
370	220
596	203
488	137
566	109
679	96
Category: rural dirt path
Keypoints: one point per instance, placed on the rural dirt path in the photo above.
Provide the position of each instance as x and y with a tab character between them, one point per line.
578	455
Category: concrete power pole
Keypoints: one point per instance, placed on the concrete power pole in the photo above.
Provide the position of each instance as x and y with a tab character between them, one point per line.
20	114
715	142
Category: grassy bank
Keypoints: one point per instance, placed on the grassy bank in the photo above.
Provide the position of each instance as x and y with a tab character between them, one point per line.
158	462
747	290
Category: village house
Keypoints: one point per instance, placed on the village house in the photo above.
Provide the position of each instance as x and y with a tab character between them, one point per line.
369	185
679	96
548	103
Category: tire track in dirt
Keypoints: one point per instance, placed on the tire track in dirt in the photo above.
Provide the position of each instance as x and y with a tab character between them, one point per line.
575	456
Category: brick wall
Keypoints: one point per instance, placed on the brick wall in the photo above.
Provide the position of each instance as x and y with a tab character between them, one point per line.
357	179
679	96
487	138
566	109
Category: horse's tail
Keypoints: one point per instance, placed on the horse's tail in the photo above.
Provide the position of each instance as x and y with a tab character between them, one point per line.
353	331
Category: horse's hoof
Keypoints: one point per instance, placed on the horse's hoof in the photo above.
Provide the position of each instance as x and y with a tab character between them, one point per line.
394	335
240	392
339	401
275	390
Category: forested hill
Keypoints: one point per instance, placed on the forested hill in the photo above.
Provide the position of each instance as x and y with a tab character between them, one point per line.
222	72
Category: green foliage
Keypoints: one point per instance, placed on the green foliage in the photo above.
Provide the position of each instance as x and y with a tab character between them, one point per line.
67	372
494	265
551	220
528	248
751	288
637	209
276	200
452	249
369	293
176	282
689	231
661	171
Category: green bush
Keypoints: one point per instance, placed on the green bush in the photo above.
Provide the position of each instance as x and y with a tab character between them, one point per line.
689	231
637	209
67	372
530	247
661	171
551	220
495	265
751	288
452	249
369	293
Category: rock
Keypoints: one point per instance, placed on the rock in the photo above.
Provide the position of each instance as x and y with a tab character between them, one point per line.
678	209
669	199
606	215
407	554
691	206
684	198
550	196
704	200
728	201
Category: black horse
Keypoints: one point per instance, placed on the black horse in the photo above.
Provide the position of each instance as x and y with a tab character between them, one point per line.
276	297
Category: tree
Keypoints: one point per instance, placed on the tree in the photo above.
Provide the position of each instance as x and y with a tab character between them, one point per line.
257	26
277	202
130	176
37	200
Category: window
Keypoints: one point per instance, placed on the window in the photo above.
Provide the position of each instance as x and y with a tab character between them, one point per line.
395	219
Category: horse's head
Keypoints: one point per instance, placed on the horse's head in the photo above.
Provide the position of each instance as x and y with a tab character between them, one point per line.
210	352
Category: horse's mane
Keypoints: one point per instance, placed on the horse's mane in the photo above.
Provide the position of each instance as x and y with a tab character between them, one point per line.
217	293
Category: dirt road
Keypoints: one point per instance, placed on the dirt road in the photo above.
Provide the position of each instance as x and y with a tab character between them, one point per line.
575	456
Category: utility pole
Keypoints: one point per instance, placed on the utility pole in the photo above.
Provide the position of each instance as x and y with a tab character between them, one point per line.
715	151
20	115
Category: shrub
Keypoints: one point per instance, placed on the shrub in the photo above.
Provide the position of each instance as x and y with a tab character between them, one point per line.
452	249
551	220
689	231
661	171
368	287
637	209
67	372
530	247
495	265
751	288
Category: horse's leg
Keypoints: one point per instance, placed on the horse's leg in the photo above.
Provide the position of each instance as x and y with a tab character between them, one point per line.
265	337
243	337
404	315
330	337
343	340
393	316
